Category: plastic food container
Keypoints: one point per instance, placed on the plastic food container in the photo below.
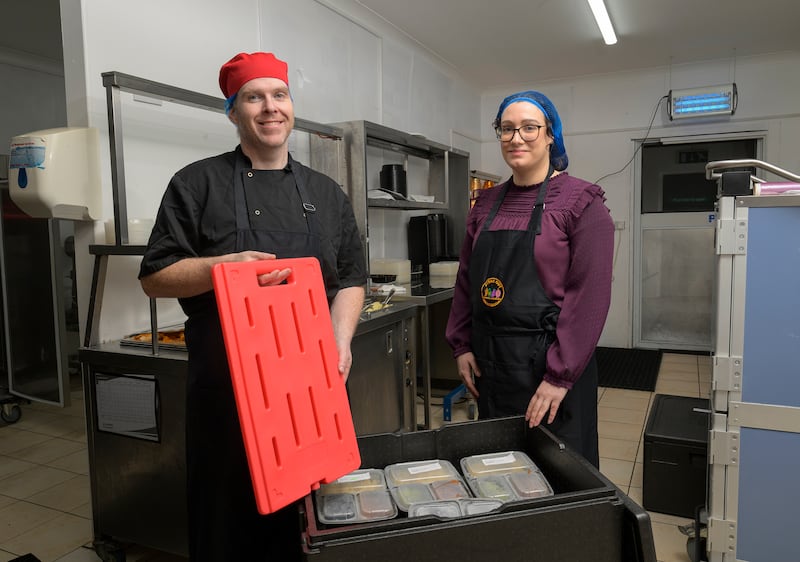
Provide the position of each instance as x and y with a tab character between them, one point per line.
506	476
448	509
359	496
424	481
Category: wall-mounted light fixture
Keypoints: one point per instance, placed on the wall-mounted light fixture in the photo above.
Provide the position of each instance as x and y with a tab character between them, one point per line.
702	102
603	21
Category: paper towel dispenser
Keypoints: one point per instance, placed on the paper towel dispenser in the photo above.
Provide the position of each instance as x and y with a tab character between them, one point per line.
55	173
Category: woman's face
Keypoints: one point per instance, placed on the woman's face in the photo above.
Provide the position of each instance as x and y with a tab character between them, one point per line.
523	156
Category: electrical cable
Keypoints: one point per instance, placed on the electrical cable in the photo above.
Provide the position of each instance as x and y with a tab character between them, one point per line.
616	253
638	148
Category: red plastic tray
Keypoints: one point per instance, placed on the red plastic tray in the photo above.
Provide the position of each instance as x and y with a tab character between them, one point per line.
293	407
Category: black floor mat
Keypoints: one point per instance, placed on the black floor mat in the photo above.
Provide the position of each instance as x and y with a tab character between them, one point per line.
633	369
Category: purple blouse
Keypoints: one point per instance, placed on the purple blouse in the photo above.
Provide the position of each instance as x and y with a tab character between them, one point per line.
574	258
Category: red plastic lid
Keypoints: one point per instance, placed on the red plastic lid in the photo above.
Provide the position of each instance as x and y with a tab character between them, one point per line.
293	408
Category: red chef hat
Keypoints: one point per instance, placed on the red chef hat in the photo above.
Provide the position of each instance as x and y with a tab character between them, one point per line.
245	67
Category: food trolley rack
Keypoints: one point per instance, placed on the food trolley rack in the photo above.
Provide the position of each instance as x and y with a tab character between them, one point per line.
754	444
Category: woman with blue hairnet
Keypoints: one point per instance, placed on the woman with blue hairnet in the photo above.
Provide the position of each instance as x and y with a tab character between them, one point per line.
534	283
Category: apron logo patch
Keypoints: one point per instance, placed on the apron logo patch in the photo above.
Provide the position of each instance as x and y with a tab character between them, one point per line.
492	292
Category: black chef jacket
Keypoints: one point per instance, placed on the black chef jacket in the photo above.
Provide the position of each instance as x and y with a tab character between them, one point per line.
197	219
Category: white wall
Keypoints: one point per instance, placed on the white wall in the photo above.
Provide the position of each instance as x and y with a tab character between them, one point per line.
344	65
32	96
604	115
347	64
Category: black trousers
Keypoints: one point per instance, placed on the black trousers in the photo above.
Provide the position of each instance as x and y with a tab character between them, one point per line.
224	523
576	421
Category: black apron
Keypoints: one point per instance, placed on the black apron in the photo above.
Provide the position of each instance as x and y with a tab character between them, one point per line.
513	325
224	523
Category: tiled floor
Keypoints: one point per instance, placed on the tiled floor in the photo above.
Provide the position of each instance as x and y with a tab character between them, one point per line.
44	471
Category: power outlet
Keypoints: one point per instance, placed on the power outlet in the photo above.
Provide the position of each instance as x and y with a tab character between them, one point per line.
619	225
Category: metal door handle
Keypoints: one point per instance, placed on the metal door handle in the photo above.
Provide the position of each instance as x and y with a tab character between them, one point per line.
389	342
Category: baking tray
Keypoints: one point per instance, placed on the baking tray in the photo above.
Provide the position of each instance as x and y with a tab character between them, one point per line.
164	342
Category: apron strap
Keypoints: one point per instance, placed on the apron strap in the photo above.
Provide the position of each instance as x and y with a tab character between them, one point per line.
239	199
535	222
300	182
538	209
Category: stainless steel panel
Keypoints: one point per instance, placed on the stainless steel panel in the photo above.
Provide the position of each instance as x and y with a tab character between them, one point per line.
139	486
382	383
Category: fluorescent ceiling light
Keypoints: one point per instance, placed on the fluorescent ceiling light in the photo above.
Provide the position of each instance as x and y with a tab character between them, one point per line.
702	102
603	21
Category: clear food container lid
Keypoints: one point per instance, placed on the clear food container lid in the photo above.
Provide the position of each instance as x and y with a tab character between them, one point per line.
446	509
419	472
493	463
356	497
529	484
356	481
344	509
512	486
454	508
406	495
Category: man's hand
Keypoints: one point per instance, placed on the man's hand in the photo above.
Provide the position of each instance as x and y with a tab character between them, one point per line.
273	277
345	310
345	361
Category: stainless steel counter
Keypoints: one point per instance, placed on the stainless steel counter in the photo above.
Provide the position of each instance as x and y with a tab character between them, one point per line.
423	293
395	311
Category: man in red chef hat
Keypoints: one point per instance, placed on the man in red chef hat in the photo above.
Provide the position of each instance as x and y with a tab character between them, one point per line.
254	203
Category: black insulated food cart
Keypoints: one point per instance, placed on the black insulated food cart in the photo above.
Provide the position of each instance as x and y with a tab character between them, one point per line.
587	518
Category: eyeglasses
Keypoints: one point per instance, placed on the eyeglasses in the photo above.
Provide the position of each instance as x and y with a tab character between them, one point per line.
527	133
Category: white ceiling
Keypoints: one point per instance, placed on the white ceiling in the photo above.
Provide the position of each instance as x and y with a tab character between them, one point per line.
497	43
494	43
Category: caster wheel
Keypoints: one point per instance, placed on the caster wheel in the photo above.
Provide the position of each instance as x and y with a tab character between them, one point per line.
10	413
696	552
108	552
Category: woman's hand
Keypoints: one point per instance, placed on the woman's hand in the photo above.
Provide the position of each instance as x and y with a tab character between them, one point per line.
467	369
547	398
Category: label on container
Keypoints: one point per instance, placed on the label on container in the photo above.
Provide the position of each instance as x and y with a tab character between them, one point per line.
424	468
355	477
29	153
505	459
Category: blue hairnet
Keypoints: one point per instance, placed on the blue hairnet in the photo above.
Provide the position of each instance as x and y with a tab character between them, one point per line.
229	104
558	154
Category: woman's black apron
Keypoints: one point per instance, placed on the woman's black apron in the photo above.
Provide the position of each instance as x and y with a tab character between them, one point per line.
514	323
224	523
